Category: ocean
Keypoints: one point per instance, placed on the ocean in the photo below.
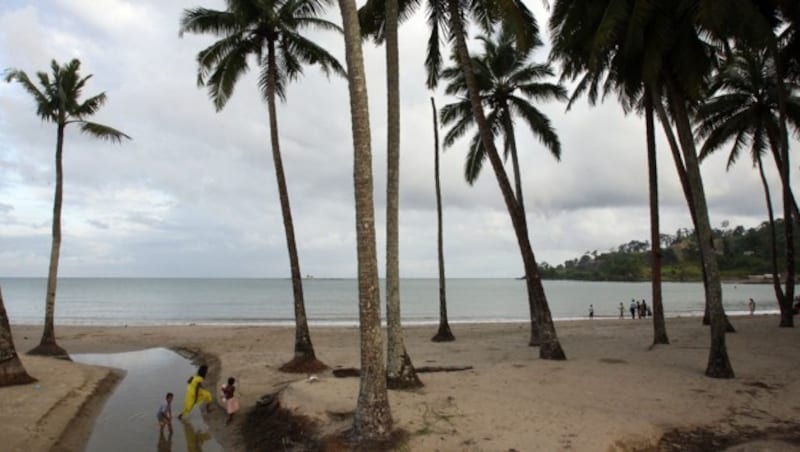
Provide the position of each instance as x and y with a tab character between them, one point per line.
334	302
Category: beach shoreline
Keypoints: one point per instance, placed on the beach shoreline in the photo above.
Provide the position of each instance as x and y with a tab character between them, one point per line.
613	392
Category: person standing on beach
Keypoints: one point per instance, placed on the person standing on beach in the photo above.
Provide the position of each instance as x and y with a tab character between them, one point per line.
621	310
195	393
228	399
634	308
591	311
164	415
752	306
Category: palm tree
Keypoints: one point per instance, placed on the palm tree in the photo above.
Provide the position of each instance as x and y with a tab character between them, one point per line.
373	417
58	101
11	370
271	32
745	108
641	42
443	334
513	14
400	373
508	83
447	17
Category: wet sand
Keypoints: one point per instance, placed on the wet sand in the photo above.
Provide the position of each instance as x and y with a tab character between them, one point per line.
613	393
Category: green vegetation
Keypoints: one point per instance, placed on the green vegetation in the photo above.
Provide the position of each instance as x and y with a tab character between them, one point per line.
741	253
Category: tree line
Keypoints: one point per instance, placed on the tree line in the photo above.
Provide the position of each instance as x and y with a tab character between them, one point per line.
743	254
709	72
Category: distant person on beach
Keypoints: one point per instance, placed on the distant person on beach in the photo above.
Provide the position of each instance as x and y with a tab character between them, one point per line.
621	310
591	311
634	308
643	310
195	393
752	306
229	399
164	415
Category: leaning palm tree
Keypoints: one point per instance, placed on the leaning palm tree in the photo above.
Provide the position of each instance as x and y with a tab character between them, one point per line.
373	418
11	370
508	84
58	101
447	20
270	31
745	108
640	42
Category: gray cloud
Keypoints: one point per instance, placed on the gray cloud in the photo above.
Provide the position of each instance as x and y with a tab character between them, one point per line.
194	193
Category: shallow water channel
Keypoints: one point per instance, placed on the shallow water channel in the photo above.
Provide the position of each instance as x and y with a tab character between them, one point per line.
128	419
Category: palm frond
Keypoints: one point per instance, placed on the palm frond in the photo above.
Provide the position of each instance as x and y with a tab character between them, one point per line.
103	132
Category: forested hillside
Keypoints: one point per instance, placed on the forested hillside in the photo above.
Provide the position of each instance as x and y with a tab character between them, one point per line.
742	254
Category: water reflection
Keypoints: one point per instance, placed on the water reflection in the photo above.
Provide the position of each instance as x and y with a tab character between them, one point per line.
128	420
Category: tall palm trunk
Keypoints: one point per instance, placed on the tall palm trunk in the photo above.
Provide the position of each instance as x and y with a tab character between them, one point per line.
373	417
659	326
11	370
304	358
543	330
400	373
687	192
48	346
719	365
444	334
512	145
787	318
773	236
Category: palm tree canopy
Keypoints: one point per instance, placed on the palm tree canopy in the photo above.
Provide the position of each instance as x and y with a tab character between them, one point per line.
508	83
515	17
258	28
58	99
745	107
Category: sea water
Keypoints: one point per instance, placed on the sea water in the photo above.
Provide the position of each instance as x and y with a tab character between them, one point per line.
334	302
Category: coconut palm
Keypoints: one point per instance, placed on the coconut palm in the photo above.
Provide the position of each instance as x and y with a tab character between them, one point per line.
745	109
512	15
642	41
373	418
508	84
269	31
443	334
11	370
59	101
400	372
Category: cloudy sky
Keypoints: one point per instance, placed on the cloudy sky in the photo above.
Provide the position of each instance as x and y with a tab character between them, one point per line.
194	193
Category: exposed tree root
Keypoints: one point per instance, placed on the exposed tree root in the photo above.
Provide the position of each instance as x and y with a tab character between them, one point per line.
50	350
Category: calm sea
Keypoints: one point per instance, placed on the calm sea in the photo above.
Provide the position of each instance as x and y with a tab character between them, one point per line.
167	301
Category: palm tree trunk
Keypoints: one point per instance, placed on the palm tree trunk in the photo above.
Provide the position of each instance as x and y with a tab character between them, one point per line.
11	370
542	328
400	373
687	193
512	143
444	334
47	346
719	365
787	318
773	236
659	326
373	417
304	360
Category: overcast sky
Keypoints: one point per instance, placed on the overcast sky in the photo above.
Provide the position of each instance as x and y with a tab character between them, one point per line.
194	193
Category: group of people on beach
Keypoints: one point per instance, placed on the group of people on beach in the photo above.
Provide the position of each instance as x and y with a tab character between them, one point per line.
197	394
636	308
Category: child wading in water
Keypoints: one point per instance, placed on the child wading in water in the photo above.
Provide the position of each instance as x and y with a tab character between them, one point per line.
228	398
164	415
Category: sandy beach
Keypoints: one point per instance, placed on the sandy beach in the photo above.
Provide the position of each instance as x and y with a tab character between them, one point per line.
614	392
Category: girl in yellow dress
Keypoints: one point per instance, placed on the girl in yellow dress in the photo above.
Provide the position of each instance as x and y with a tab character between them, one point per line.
195	393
